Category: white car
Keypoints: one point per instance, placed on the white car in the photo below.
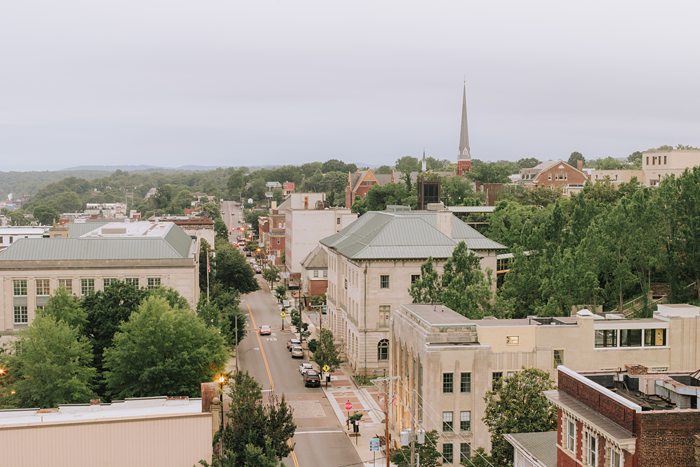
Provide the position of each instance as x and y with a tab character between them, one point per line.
303	367
265	330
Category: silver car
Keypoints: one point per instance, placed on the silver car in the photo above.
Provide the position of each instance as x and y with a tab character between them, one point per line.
297	351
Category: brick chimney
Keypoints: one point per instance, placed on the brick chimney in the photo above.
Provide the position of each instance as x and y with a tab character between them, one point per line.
579	165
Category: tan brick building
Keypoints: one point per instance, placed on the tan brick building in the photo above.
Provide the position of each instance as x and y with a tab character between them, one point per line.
445	363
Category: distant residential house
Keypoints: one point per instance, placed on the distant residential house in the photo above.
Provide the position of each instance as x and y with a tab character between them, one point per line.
288	188
314	277
555	174
361	181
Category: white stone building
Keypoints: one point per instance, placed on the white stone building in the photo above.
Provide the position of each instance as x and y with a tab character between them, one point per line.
371	265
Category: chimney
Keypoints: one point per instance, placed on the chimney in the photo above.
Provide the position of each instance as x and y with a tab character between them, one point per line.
579	165
306	202
273	204
443	222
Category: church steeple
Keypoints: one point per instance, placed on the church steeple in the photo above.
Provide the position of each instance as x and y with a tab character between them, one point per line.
464	159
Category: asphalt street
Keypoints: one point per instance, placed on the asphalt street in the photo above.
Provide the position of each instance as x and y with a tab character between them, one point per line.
319	439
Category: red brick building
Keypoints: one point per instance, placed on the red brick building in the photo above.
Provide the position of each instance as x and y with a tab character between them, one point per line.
554	174
626	419
361	181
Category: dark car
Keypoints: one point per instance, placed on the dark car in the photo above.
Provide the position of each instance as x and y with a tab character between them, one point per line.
312	379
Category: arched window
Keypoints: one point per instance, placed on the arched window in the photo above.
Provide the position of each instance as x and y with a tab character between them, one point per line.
383	349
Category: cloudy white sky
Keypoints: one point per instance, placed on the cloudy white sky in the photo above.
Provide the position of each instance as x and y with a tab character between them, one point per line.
231	82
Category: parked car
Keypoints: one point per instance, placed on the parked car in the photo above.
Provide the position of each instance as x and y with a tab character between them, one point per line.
292	342
297	352
257	269
265	330
312	379
304	367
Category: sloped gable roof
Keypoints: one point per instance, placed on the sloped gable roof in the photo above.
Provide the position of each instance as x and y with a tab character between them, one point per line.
404	235
316	259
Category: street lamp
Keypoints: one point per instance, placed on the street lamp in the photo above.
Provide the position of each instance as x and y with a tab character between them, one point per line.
221	379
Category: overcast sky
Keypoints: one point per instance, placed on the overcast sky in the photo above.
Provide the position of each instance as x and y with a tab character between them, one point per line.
213	82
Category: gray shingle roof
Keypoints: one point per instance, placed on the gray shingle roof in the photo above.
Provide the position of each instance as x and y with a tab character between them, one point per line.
542	446
404	235
316	259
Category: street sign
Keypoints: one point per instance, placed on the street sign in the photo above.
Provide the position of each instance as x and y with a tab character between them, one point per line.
374	445
348	406
326	369
283	315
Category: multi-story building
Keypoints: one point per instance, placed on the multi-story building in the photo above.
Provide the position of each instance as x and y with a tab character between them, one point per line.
371	266
557	174
8	235
626	419
307	220
659	164
361	181
314	279
106	210
445	363
90	258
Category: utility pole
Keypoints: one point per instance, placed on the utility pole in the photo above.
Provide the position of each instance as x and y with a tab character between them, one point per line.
386	380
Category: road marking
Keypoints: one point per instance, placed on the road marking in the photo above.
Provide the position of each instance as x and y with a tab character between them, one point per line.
262	349
293	454
317	432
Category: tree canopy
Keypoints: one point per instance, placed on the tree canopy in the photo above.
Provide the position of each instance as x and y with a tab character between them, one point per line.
162	350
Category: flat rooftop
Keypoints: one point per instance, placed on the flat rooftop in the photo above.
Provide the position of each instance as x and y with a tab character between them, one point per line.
129	408
437	315
141	229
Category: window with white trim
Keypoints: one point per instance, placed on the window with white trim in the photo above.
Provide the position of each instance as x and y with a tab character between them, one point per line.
465	420
591	449
571	435
615	457
66	284
132	281
21	314
42	287
153	282
447	421
87	286
19	287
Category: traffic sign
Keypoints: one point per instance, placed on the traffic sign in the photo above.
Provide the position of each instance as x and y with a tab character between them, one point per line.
283	315
348	406
326	369
374	445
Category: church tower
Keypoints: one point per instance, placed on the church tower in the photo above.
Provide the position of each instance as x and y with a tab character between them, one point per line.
464	159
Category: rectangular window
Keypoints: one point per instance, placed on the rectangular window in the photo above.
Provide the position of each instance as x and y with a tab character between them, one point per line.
465	420
571	436
87	286
606	338
654	337
447	453
107	281
496	378
66	284
153	282
19	288
558	357
21	314
42	287
384	315
630	338
465	453
384	281
465	382
325	273
614	457
512	340
132	281
591	450
414	278
315	273
447	382
447	423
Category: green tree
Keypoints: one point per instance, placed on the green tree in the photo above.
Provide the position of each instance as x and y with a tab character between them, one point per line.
52	365
266	426
327	352
492	172
527	162
271	274
464	287
428	287
479	459
162	351
233	271
574	158
66	307
280	292
427	452
383	170
46	215
504	410
458	191
635	159
106	310
407	164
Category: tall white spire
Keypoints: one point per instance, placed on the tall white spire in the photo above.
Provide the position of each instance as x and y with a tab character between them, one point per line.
464	152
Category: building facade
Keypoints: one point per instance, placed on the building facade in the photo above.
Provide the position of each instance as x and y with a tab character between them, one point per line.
557	175
445	363
314	279
90	258
8	235
659	164
306	221
371	266
621	419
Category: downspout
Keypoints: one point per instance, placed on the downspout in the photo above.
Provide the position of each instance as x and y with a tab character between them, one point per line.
365	316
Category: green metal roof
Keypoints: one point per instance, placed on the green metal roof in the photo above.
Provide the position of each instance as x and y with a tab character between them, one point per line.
404	235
